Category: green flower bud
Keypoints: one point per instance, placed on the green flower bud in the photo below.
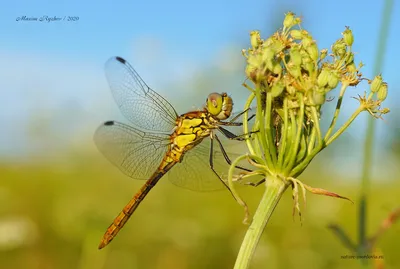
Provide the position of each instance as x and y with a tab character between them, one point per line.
296	34
277	68
385	110
254	74
295	56
277	88
312	50
351	68
250	70
295	71
333	80
297	20
323	54
322	79
308	64
348	37
255	60
318	98
339	48
268	54
349	57
278	46
309	67
255	39
382	92
376	83
307	41
289	21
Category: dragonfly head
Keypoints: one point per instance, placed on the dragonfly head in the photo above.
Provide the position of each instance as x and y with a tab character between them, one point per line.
219	105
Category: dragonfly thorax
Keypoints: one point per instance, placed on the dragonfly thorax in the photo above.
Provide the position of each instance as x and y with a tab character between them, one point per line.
219	105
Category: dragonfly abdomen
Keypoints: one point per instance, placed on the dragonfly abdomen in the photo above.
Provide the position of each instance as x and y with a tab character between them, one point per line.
133	204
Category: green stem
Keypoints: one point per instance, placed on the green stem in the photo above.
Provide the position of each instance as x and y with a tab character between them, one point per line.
379	59
316	124
297	170
368	154
311	143
289	151
344	126
299	131
303	165
246	122
282	145
336	115
274	189
260	119
268	129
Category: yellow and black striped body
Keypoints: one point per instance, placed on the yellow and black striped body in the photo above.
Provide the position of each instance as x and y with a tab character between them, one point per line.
191	128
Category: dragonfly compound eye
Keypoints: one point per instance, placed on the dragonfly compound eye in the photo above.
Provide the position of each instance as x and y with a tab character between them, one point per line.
219	105
214	103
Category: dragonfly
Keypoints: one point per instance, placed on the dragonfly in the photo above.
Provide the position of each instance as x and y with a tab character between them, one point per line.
161	139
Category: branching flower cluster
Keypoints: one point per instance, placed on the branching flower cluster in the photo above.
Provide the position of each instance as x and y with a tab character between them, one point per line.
290	79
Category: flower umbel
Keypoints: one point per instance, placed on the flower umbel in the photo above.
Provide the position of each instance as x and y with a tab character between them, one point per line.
290	79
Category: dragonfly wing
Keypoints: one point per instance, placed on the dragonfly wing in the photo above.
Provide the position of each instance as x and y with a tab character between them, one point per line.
136	153
141	105
194	172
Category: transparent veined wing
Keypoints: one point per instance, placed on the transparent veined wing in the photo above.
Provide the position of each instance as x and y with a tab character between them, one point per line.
195	173
145	108
136	153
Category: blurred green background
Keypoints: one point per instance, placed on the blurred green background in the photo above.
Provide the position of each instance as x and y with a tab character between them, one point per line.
58	194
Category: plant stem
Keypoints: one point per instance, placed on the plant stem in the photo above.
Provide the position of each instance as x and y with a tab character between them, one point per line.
344	126
336	115
379	59
369	139
246	122
274	189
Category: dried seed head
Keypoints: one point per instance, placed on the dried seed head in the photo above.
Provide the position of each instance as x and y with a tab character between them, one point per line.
348	37
382	92
333	79
289	20
312	50
277	88
322	79
296	34
376	83
339	48
323	54
295	56
255	39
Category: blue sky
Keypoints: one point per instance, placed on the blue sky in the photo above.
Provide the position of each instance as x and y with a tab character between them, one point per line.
48	68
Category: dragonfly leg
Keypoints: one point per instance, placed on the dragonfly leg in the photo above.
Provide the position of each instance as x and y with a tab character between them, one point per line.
231	123
228	160
232	136
240	114
256	184
211	160
226	157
